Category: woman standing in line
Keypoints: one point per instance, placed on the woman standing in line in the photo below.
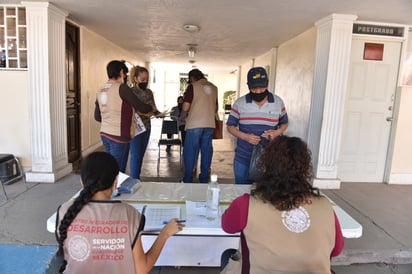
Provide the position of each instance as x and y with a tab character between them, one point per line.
286	225
139	77
114	108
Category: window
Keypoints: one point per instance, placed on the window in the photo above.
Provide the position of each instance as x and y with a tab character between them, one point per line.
13	37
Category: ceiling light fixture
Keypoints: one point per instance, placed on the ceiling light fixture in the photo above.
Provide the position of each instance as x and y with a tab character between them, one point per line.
192	50
191	28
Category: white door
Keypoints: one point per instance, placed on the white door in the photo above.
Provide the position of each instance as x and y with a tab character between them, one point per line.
368	112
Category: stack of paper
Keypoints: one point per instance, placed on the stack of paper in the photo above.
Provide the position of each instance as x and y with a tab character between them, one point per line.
156	216
126	184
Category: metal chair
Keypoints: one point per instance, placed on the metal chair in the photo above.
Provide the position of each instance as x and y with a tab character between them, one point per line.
169	128
10	171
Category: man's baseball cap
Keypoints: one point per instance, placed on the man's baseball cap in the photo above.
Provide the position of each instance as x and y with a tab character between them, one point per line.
257	78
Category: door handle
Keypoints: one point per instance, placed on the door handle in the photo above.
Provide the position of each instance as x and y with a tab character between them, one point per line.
389	119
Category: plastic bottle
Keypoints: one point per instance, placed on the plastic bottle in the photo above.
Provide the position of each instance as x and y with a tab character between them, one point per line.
3	59
212	198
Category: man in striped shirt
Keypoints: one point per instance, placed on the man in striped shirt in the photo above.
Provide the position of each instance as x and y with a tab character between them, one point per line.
254	117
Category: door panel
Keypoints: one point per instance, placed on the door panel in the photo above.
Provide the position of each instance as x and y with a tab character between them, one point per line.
369	101
72	93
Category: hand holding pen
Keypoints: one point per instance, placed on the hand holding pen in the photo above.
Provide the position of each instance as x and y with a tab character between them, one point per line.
173	226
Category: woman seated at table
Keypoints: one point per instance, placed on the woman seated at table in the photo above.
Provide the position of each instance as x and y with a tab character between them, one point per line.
286	225
99	235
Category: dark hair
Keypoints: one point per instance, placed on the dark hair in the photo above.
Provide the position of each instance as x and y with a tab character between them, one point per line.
287	174
113	68
125	68
196	74
98	172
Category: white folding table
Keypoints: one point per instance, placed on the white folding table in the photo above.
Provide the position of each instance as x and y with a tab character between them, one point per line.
199	246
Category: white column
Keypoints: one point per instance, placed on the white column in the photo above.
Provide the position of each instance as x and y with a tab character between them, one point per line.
47	88
333	49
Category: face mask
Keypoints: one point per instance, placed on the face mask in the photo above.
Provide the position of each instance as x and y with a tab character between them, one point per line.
258	97
143	85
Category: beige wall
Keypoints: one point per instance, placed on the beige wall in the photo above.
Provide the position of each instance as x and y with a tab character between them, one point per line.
14	115
95	53
401	168
294	79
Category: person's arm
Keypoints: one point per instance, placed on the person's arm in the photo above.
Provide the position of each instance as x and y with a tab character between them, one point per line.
155	111
187	98
339	241
97	114
126	93
234	219
144	262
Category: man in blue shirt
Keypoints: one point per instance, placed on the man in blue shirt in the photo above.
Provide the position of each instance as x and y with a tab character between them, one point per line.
255	116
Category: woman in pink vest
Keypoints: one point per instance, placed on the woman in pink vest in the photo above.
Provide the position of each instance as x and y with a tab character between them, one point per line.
286	225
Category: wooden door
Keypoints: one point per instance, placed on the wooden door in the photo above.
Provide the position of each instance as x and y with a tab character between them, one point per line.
73	92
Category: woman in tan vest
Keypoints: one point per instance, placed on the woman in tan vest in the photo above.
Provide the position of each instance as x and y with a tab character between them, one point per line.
286	225
100	235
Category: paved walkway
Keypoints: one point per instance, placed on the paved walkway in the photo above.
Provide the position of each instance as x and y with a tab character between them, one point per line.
383	210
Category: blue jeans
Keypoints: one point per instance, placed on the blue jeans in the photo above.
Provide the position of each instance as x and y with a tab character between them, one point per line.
198	140
120	151
138	147
241	173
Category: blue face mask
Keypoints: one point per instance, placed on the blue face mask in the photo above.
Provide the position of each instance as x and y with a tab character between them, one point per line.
258	97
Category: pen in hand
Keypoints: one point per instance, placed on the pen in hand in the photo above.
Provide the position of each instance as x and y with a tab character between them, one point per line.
179	221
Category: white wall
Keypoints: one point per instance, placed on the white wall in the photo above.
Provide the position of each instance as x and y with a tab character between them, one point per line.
266	60
224	81
244	68
294	79
14	115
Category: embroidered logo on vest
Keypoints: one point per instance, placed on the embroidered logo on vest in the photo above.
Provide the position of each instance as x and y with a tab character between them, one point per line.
296	220
79	248
207	90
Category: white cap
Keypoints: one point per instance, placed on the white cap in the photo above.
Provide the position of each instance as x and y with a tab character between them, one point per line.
213	177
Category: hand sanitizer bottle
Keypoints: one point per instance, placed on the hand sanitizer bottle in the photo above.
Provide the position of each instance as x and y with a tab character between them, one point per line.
212	199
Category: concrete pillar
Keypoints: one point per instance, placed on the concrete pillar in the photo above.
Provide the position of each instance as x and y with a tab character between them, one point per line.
333	49
47	88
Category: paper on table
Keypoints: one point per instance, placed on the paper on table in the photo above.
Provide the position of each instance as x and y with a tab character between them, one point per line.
121	178
196	215
155	216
